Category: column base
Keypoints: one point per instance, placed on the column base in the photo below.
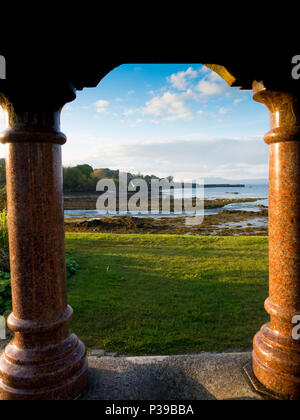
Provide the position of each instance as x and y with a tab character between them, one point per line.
258	387
53	373
276	363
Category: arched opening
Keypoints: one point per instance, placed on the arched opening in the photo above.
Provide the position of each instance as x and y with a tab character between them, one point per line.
38	274
182	121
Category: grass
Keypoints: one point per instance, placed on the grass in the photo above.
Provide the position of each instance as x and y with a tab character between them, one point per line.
4	254
167	294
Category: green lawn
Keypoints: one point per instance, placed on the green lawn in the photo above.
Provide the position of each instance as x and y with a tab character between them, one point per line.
167	294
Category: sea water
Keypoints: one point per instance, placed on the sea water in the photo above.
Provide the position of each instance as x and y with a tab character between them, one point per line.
259	191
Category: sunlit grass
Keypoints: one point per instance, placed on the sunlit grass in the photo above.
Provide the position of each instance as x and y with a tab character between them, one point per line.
167	294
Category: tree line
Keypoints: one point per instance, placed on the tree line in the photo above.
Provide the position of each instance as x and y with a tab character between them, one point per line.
83	178
80	178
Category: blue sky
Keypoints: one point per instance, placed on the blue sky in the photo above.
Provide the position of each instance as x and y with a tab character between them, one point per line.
180	120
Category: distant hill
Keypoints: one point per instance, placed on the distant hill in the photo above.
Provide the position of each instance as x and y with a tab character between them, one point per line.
84	178
213	180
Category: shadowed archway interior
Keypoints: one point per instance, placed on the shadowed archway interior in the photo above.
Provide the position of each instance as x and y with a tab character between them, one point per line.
44	361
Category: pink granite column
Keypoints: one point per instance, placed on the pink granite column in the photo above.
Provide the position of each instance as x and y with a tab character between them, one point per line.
276	355
43	361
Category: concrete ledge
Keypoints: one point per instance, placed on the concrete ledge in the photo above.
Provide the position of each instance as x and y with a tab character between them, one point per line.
207	376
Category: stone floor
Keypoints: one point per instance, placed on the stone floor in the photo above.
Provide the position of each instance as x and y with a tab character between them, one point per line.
207	376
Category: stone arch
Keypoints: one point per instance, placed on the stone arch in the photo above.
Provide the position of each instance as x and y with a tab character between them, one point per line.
34	109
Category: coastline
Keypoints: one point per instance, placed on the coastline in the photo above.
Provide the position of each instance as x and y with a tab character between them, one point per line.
222	222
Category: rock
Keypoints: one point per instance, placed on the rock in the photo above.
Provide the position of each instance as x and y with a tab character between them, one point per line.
98	353
110	354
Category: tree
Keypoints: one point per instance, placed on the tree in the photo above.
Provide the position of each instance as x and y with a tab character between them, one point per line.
79	179
99	173
86	170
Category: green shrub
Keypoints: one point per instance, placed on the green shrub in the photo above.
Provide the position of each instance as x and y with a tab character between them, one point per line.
5	292
3	231
4	260
71	265
5	289
3	199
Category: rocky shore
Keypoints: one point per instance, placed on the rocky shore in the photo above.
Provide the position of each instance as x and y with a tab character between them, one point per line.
225	223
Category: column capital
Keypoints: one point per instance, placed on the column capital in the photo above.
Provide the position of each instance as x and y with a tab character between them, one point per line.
33	127
284	108
33	113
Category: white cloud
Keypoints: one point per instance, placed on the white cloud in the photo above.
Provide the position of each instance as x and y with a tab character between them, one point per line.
211	83
215	77
185	159
238	100
169	104
204	69
207	88
180	80
129	112
223	110
102	105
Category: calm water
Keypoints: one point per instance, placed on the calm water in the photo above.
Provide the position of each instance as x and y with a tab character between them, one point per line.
249	191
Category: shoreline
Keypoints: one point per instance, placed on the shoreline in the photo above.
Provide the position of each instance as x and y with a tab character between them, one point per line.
224	223
78	201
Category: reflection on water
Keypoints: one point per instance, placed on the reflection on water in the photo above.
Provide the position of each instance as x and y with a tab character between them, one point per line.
253	191
251	206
